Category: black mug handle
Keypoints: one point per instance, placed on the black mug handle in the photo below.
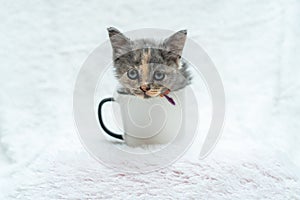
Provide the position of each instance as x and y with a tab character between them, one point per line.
114	135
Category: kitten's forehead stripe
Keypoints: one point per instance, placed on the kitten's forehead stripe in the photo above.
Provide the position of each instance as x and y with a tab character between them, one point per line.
145	65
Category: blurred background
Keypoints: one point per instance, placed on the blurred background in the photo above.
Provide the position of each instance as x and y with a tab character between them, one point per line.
255	46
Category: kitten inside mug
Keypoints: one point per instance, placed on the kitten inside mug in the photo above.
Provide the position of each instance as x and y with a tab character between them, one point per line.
147	68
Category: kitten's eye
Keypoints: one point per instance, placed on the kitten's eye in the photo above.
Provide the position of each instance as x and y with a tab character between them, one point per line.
132	74
158	75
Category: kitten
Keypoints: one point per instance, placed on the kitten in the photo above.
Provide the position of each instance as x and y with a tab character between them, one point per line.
147	68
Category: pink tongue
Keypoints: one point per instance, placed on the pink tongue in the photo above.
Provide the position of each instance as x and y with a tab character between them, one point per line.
170	100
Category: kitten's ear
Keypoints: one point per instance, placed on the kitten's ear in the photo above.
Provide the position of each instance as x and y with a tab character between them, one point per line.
119	42
175	42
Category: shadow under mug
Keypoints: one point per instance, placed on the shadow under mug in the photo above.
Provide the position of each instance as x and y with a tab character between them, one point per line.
147	121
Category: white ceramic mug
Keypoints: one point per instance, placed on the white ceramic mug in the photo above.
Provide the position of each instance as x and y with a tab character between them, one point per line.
148	121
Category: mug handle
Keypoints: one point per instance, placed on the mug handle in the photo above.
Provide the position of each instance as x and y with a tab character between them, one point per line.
114	135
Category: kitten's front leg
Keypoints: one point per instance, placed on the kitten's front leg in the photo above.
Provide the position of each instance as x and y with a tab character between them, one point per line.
125	91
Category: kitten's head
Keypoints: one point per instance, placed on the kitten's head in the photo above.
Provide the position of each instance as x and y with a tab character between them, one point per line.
147	68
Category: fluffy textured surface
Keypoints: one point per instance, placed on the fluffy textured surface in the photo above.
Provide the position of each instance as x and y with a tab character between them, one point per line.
255	46
70	173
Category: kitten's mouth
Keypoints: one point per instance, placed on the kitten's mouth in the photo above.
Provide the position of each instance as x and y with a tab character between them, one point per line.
146	93
152	93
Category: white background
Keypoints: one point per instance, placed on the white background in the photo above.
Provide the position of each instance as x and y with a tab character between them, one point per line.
255	46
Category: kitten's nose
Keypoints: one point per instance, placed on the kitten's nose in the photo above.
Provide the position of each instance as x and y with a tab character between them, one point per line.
145	88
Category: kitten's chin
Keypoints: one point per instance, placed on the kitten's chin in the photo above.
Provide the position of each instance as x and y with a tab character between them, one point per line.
146	95
152	93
